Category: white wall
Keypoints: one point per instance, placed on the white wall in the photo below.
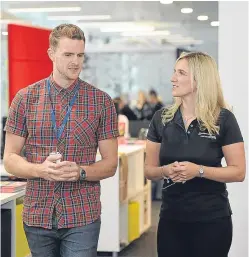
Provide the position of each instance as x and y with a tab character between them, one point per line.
233	66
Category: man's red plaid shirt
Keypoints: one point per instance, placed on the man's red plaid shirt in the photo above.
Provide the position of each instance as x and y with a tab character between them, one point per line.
92	119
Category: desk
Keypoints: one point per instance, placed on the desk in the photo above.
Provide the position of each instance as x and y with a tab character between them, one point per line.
8	201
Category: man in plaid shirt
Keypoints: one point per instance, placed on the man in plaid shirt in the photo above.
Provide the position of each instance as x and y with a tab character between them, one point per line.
66	115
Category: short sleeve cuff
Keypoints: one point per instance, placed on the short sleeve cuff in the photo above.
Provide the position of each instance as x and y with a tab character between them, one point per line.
155	140
110	135
15	131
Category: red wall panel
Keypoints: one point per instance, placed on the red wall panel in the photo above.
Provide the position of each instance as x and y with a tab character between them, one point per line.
28	59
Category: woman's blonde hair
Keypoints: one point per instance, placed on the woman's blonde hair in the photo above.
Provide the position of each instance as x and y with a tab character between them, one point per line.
65	30
209	96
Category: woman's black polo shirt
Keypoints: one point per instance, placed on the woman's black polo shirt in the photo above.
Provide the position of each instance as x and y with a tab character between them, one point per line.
198	199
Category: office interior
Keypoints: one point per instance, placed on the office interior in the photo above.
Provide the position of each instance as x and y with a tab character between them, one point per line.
131	47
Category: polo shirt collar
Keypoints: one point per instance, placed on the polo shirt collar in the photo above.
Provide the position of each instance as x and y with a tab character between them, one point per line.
178	118
178	115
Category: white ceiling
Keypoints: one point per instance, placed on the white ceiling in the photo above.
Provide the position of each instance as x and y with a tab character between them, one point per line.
161	16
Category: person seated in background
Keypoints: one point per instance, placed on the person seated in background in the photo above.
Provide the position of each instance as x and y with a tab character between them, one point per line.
143	109
154	101
124	108
123	122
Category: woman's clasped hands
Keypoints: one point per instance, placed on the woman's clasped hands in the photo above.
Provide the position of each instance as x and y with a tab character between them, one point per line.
181	171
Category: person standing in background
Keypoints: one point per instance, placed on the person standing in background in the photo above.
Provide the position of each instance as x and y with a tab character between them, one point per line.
154	101
65	115
185	145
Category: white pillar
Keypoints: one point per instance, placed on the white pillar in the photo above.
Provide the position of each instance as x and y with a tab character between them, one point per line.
233	67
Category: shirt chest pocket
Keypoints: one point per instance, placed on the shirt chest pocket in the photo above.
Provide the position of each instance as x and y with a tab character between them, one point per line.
85	132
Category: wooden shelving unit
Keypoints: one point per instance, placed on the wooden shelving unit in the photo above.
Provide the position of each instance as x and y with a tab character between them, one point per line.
115	229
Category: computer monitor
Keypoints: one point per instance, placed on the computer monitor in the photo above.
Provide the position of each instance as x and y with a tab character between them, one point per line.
136	125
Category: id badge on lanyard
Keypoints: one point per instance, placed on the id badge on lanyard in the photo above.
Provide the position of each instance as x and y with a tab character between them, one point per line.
58	131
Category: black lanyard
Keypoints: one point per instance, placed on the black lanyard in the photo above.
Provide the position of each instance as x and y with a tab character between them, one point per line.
58	131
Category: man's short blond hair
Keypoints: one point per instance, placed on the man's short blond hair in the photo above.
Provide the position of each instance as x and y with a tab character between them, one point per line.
65	30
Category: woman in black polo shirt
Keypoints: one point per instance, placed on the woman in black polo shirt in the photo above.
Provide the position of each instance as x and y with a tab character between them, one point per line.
185	145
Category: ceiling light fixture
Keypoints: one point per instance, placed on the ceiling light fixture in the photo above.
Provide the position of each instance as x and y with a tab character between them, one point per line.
12	21
122	0
175	36
186	42
186	10
78	18
166	2
202	18
49	9
215	23
146	33
127	28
